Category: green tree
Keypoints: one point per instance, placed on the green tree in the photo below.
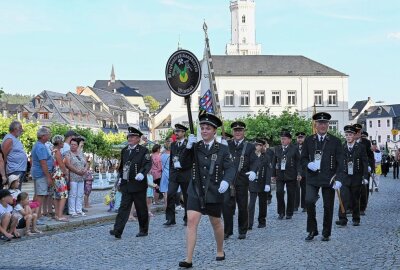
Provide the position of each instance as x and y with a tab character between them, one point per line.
14	98
152	103
1	92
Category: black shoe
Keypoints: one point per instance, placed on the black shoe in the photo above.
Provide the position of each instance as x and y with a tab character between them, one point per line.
362	213
169	223
311	236
141	234
304	210
185	264
296	209
4	238
261	226
325	238
288	217
341	223
250	228
220	258
242	236
227	235
115	234
356	223
281	216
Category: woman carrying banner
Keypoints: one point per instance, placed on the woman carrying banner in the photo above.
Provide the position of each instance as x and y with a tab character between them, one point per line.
211	174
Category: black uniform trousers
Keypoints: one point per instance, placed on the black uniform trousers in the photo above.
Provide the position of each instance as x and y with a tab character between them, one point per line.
351	194
395	169
364	195
172	198
280	196
328	196
300	199
139	199
262	207
241	198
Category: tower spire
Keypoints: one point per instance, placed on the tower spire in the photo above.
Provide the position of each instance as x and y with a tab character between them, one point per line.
112	80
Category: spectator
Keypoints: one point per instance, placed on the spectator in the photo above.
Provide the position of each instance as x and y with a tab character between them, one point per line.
150	192
3	174
60	172
165	170
13	188
8	228
13	151
77	165
156	169
42	166
26	218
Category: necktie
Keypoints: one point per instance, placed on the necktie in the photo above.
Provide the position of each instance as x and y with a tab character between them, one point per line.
206	146
321	139
179	144
350	148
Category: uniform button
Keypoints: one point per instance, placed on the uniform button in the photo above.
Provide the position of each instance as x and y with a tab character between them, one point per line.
205	167
204	177
204	187
205	158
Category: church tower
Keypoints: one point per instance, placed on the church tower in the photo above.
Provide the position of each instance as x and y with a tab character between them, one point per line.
243	29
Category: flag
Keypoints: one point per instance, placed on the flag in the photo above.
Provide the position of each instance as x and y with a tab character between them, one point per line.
206	103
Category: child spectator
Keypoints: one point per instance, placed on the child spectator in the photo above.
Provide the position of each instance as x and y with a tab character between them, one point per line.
8	228
26	218
14	184
150	193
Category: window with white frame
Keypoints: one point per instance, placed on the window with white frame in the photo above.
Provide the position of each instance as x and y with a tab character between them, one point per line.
379	139
229	98
318	98
333	125
244	98
388	138
379	123
276	97
394	137
332	98
291	97
370	123
388	122
260	97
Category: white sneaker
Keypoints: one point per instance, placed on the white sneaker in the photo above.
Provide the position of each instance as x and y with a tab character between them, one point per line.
82	214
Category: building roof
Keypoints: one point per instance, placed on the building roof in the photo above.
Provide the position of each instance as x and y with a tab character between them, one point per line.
359	105
115	100
156	88
270	65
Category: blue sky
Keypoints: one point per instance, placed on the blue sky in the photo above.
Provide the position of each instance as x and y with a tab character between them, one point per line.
58	45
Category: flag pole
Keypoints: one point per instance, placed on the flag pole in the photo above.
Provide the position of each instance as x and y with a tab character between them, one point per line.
213	85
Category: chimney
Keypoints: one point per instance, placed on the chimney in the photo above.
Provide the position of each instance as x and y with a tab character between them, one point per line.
79	89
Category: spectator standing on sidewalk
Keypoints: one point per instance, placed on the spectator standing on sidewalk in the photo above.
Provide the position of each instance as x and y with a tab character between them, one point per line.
3	175
156	169
42	166
13	151
77	165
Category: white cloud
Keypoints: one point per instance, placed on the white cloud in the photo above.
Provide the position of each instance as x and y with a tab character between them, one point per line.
394	35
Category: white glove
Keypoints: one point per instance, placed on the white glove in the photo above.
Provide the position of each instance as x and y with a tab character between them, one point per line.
337	185
224	142
312	166
267	188
223	186
177	165
365	182
139	177
191	140
369	169
252	175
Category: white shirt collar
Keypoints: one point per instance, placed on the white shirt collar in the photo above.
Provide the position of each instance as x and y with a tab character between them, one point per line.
210	144
239	142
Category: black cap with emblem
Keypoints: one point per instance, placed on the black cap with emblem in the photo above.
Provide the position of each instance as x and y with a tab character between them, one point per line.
238	125
180	127
364	134
358	127
210	119
134	132
350	129
286	133
322	117
300	134
260	141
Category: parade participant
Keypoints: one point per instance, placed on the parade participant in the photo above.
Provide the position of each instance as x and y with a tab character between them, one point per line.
300	199
322	154
212	173
179	175
355	175
287	172
270	153
134	166
364	188
378	165
246	166
396	162
260	186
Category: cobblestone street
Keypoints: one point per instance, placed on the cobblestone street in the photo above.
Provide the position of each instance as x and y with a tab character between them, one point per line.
373	245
